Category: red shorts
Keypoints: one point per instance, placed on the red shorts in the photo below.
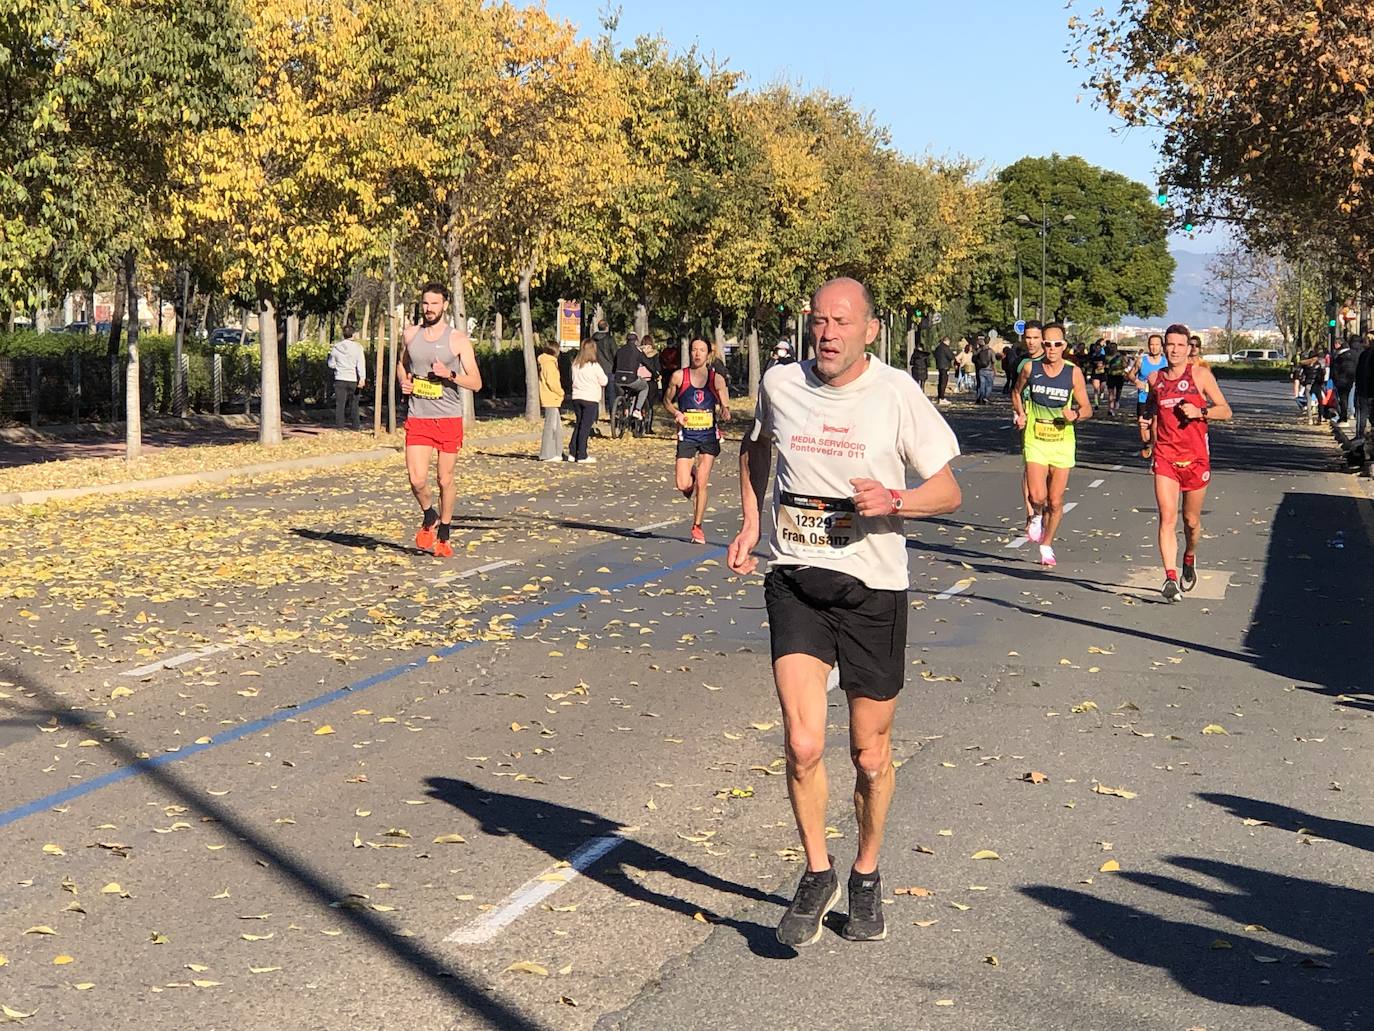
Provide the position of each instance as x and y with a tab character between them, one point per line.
444	435
1194	475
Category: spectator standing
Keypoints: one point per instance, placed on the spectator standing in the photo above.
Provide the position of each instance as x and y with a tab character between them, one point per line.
605	356
982	364
1344	363
550	402
965	373
350	376
1364	388
782	354
944	359
920	362
589	381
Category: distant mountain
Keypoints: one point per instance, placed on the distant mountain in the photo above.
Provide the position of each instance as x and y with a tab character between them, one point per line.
1185	303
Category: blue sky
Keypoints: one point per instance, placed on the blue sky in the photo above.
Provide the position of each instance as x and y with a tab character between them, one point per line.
986	79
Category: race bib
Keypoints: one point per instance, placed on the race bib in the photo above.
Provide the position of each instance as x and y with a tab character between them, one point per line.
815	527
427	388
698	420
1048	431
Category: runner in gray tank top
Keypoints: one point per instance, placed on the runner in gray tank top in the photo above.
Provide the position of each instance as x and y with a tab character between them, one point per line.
437	363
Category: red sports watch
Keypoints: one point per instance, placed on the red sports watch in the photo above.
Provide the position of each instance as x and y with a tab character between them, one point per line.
896	496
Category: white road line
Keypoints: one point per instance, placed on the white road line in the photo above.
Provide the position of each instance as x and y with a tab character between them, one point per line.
489	567
1019	542
1070	507
959	588
1116	468
179	660
532	892
1095	484
654	526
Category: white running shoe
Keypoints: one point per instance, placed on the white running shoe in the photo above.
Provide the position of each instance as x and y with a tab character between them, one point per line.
1047	557
1035	530
589	460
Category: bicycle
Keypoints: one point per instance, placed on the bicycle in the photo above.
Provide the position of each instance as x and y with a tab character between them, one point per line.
622	416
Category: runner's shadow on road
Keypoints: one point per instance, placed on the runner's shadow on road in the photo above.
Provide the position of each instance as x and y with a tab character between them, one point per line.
558	831
353	540
1322	983
1282	817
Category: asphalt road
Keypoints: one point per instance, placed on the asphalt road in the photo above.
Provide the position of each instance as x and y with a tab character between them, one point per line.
266	766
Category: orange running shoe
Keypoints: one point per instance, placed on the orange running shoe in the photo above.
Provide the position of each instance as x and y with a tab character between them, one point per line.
698	536
443	549
426	536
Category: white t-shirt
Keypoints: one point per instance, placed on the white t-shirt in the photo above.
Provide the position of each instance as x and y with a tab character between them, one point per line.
880	426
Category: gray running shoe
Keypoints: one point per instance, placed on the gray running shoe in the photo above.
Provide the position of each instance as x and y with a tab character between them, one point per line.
1188	577
1171	590
816	896
865	923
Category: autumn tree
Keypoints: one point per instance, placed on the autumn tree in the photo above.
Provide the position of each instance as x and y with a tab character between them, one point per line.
1264	107
97	97
282	208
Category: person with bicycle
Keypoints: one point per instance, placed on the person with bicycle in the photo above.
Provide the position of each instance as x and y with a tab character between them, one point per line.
629	375
698	400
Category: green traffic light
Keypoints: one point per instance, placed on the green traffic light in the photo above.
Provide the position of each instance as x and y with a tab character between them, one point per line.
918	313
1330	323
1187	227
1163	199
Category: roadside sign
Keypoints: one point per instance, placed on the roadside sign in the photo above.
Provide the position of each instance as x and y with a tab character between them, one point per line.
569	324
1020	326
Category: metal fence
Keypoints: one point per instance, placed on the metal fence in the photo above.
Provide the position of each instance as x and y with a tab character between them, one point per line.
83	387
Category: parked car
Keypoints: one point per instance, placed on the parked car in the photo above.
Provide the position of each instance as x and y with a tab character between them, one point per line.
1257	354
229	336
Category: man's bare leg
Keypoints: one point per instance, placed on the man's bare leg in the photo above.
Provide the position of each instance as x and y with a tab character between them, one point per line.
703	477
800	682
417	468
870	746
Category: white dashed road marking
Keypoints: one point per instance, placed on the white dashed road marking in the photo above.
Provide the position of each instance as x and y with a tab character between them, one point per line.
534	891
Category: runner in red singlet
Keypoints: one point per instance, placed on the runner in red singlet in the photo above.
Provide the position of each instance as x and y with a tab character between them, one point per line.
1184	398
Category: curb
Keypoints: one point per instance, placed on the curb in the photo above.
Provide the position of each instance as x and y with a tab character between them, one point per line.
180	480
38	497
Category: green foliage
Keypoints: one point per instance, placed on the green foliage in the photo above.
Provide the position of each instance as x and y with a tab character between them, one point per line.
1112	258
97	97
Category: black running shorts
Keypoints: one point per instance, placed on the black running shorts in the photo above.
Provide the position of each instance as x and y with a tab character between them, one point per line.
835	617
692	448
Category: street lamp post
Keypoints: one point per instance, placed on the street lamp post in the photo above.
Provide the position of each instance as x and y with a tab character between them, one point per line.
1043	227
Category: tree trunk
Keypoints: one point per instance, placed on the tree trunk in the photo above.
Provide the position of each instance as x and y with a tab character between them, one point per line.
133	412
381	373
459	307
391	341
269	423
882	340
720	334
532	412
910	341
498	332
116	331
755	371
642	316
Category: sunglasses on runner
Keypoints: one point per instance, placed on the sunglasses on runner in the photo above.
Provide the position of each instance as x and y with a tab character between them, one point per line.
1054	343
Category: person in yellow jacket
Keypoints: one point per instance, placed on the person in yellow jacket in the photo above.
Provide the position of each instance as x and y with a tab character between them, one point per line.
551	401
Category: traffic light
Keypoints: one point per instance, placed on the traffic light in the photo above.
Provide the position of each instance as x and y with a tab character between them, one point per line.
1163	199
1189	222
782	307
918	313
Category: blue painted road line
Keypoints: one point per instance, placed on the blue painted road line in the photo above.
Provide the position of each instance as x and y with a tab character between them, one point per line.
244	730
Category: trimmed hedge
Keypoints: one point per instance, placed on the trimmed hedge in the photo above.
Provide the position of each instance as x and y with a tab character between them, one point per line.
1254	371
